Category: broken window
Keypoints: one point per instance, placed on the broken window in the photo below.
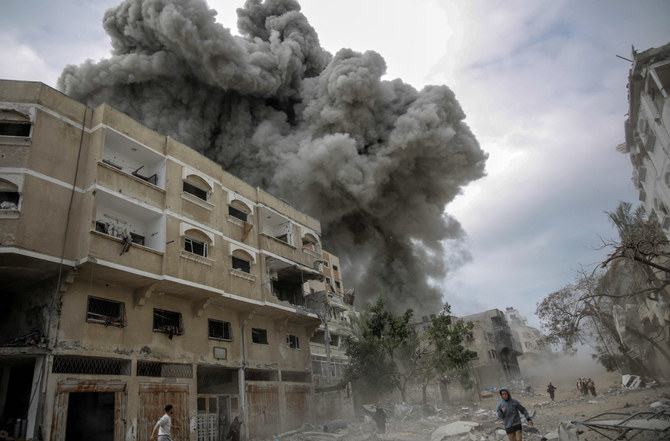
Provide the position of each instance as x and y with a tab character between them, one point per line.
318	337
168	322
335	268
106	312
236	213
292	341
195	246
259	336
338	285
220	330
9	195
241	264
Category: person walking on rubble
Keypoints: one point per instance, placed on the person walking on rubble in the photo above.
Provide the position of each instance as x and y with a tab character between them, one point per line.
551	389
164	426
508	410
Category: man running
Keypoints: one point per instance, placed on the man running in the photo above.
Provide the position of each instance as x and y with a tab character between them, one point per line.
508	410
164	425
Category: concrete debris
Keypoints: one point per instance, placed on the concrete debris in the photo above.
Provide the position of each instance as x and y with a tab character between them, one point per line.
455	428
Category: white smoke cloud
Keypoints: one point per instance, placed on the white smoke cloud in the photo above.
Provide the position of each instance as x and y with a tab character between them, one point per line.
376	161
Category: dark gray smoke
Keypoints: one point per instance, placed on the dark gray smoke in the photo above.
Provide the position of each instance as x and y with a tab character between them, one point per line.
375	161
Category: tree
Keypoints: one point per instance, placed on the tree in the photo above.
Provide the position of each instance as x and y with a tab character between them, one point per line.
594	309
446	359
385	351
379	342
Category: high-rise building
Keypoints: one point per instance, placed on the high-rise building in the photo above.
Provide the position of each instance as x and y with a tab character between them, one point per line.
647	138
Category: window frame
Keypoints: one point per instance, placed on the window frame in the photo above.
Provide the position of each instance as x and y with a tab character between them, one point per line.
246	268
256	333
191	240
178	328
238	214
225	326
195	190
118	322
292	341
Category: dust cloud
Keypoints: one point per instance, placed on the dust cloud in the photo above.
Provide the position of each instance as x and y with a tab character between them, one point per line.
376	161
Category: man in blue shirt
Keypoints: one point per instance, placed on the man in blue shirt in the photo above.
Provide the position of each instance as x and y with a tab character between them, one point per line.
508	410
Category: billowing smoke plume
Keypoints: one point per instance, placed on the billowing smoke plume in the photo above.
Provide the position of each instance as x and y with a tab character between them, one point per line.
375	161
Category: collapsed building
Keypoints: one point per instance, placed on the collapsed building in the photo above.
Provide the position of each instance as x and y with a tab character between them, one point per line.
137	273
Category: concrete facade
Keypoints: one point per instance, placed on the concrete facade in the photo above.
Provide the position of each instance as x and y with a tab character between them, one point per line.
648	146
496	347
136	273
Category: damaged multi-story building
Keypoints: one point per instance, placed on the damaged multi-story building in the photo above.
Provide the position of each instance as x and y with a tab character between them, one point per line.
334	304
648	146
495	346
136	273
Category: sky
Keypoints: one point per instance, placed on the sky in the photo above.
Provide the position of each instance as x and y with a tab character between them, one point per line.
540	82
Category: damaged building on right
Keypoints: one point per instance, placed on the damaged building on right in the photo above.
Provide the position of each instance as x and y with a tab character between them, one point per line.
648	146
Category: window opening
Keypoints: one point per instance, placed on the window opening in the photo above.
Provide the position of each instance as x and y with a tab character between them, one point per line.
239	214
337	285
259	336
195	191
195	246
15	128
168	322
241	264
335	268
219	330
293	341
9	200
106	312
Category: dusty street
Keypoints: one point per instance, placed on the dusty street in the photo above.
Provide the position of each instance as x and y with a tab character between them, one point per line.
409	423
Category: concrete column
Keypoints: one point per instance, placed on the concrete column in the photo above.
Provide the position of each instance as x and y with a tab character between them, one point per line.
244	411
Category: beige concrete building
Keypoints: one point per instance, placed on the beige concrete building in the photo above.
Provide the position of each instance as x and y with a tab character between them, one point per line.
496	349
333	393
136	273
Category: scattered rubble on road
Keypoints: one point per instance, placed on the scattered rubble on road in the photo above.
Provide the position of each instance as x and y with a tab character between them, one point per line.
473	421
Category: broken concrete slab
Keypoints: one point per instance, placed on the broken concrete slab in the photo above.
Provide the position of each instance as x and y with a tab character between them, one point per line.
455	428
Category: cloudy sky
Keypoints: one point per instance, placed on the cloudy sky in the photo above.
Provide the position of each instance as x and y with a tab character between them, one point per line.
540	82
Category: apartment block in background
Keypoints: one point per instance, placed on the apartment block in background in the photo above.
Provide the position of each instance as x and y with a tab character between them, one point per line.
136	273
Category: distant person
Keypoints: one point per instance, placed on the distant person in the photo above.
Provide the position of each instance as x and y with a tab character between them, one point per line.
380	419
164	426
591	386
551	389
234	430
508	410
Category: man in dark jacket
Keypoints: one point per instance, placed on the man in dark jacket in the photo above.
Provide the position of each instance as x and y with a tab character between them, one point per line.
508	410
234	431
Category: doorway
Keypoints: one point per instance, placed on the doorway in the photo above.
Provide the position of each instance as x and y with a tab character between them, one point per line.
90	415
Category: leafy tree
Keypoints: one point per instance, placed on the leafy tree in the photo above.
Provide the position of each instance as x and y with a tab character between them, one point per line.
446	359
385	351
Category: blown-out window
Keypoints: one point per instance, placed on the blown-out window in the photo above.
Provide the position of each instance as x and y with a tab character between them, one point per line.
241	264
259	336
9	195
293	341
219	330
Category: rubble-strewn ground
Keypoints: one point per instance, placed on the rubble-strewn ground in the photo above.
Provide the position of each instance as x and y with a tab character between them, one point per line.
411	423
